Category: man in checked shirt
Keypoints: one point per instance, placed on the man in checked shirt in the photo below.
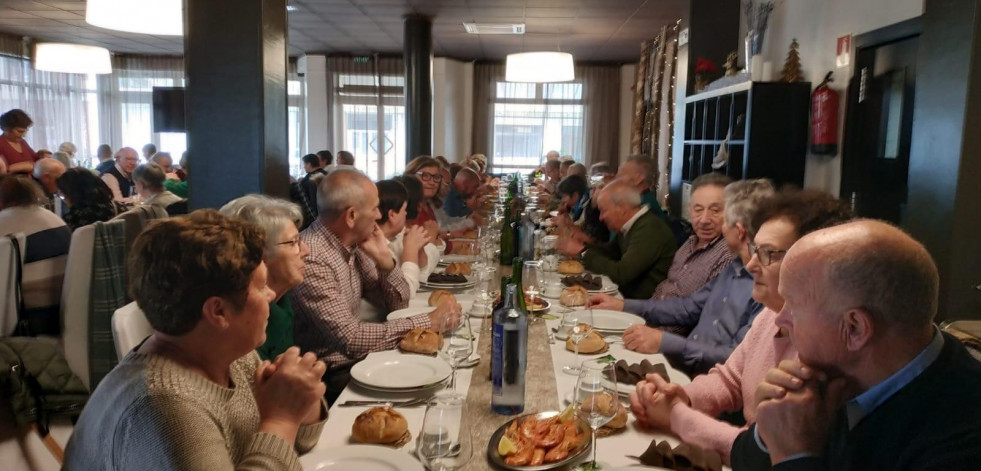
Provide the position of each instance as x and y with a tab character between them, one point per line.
349	259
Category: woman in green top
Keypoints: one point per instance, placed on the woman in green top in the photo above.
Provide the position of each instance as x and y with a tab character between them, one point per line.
284	257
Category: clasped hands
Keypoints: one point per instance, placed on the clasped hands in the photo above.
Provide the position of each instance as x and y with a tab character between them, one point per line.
652	401
288	391
797	406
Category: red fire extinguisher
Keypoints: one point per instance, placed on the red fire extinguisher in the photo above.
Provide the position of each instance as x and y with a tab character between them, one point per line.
824	119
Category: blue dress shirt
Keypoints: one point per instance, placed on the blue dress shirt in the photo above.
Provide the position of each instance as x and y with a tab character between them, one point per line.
721	313
455	205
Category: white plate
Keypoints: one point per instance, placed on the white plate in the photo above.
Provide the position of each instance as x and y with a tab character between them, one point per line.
455	258
609	286
428	387
469	284
410	312
393	370
361	458
614	322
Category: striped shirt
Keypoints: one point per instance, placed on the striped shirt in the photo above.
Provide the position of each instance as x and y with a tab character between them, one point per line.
693	268
326	303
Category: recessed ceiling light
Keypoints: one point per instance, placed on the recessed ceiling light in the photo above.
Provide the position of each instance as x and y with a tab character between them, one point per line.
494	28
539	67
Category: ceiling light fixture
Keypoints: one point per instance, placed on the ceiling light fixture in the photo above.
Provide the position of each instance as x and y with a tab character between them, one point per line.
539	67
157	17
72	58
494	28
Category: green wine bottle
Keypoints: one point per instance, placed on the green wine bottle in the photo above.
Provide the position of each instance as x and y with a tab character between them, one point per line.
507	237
516	264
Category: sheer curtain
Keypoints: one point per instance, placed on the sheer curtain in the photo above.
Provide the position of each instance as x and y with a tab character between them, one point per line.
517	123
62	106
366	99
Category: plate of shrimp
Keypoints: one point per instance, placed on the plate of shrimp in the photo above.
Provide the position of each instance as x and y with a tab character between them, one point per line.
546	440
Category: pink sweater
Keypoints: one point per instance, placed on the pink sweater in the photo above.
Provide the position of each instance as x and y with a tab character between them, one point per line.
725	386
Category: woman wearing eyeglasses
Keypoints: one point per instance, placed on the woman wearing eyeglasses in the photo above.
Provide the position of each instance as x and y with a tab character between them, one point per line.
690	411
284	257
429	173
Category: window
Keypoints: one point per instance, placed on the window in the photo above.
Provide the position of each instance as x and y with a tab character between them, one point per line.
373	122
532	119
64	107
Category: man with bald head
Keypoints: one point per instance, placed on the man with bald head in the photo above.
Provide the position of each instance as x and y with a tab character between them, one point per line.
349	259
119	178
640	172
638	257
878	386
464	187
46	173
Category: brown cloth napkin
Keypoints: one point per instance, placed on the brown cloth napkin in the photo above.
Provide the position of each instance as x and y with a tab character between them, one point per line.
635	373
684	457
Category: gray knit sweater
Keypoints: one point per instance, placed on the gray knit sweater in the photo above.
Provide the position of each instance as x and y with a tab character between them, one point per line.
151	413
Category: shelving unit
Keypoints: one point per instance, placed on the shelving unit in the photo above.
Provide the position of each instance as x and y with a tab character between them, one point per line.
766	125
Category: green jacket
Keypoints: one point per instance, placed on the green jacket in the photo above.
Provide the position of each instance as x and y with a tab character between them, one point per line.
279	329
176	187
637	262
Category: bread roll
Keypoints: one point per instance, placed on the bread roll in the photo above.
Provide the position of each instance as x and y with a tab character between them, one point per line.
592	343
458	268
574	296
470	234
441	296
570	267
381	425
422	341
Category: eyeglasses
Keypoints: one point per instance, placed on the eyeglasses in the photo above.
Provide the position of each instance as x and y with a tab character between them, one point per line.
765	255
430	176
294	243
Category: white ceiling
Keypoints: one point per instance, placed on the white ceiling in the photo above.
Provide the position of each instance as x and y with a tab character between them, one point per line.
592	30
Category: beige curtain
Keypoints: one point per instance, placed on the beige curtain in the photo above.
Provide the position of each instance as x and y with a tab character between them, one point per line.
601	90
485	78
651	130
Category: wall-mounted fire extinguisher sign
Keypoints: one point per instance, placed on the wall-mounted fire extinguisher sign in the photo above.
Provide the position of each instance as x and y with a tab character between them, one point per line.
824	119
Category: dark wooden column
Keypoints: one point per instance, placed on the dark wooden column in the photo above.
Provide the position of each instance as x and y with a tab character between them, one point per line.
235	58
418	56
944	167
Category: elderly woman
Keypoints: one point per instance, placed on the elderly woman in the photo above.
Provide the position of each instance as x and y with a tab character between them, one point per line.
194	395
284	257
89	199
15	155
690	411
149	181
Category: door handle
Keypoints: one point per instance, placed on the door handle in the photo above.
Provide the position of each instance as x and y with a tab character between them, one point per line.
863	84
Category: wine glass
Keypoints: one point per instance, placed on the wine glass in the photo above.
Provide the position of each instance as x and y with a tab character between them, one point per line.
596	400
532	281
444	444
457	344
576	325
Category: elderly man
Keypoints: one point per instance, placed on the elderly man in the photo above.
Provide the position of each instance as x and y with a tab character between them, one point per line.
166	162
719	314
149	181
640	172
551	179
345	158
564	165
119	178
878	386
700	259
349	258
465	186
638	257
46	173
577	169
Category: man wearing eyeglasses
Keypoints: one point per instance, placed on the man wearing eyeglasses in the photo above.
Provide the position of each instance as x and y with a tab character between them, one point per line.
719	313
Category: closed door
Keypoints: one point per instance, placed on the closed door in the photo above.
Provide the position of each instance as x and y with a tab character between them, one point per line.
875	165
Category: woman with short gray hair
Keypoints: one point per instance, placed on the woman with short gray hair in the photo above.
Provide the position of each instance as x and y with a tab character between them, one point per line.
284	257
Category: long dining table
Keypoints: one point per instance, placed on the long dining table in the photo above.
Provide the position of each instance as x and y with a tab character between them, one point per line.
547	388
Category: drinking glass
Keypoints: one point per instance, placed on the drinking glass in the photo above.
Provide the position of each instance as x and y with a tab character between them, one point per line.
532	281
444	444
576	325
596	400
457	344
485	292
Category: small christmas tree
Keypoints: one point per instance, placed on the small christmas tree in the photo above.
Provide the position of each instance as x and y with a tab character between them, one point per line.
791	68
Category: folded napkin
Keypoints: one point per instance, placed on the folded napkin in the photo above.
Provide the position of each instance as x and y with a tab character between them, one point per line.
635	373
684	457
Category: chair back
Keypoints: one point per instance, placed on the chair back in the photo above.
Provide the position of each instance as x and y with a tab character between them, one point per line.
9	301
75	295
137	219
129	328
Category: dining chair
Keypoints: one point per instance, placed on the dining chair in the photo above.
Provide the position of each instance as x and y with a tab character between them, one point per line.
129	328
75	294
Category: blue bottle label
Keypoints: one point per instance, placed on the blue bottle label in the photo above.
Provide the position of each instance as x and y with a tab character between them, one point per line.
497	366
